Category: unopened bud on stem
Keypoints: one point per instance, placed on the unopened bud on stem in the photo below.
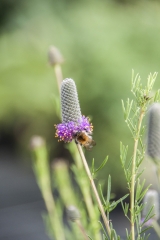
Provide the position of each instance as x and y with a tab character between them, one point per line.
36	142
54	56
73	213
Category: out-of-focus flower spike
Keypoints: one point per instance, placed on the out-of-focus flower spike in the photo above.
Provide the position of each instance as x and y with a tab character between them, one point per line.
151	199
153	136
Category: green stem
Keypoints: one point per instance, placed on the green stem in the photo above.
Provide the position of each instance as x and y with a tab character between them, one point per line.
41	169
106	221
91	212
59	76
52	213
133	181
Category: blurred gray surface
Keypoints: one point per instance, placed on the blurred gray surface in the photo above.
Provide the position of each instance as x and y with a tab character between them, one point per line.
21	205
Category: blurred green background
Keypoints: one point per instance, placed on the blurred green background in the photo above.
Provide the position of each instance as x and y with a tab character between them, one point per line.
101	41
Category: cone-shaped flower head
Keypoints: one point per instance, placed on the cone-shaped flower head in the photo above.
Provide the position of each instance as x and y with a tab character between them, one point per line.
150	200
153	137
69	101
72	119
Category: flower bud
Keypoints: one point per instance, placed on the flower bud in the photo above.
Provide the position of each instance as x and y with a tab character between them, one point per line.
72	213
37	142
54	56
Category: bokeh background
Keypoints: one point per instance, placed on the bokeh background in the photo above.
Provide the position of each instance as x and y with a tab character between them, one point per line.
101	41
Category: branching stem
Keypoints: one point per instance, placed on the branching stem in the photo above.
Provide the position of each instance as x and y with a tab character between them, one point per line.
133	181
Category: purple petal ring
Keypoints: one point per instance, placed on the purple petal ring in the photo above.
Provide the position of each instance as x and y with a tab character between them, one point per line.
67	131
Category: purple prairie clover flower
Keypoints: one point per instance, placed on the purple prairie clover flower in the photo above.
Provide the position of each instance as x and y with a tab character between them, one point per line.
148	223
72	119
67	131
84	124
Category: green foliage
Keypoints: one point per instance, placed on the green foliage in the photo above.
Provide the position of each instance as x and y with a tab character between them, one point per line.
134	112
110	206
53	219
101	42
94	171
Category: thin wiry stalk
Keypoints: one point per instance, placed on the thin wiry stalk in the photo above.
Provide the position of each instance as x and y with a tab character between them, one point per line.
79	224
106	221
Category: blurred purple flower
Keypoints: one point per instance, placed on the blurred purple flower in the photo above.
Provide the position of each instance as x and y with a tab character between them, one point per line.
147	223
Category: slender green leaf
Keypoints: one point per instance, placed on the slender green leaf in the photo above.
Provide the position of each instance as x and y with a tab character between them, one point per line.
92	169
102	164
104	232
139	189
109	189
121	199
144	193
115	203
90	238
125	208
144	230
148	216
157	96
113	235
101	193
123	153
